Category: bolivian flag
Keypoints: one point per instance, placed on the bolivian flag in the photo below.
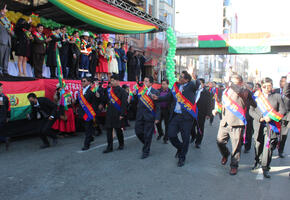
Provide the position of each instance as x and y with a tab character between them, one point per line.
17	92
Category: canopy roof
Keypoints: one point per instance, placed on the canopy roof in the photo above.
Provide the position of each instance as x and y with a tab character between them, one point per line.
93	15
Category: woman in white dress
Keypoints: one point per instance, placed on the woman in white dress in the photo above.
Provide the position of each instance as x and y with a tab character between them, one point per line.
113	63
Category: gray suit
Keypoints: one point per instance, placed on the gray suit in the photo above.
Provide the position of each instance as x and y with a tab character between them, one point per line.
5	46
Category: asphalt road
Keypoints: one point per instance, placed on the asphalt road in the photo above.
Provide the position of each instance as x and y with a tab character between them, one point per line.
63	172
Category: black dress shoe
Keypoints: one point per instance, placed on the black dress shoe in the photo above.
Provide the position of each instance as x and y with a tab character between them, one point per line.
99	133
165	141
44	146
192	140
159	137
108	151
54	141
246	151
181	162
197	146
7	144
266	174
256	166
85	148
121	147
281	155
177	153
144	156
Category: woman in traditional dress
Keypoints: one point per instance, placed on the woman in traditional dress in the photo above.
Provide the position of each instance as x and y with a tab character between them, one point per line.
102	68
113	63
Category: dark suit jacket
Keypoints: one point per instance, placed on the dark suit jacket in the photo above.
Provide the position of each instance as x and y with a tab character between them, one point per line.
276	102
203	103
46	108
4	109
286	99
189	92
144	113
39	46
91	99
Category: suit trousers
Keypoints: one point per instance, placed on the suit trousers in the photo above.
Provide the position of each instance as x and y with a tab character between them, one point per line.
283	136
46	131
265	143
249	135
179	124
164	117
74	69
37	60
235	134
120	137
63	60
4	58
198	134
144	131
89	131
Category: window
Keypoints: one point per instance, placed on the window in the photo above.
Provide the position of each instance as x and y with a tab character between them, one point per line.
169	2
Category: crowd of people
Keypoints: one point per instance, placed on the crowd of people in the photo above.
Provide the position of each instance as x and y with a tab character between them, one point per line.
247	111
79	54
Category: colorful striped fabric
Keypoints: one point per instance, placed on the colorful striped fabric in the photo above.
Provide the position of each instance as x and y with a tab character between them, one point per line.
212	41
102	15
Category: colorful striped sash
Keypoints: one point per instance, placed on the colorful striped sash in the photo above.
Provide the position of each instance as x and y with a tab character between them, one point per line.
146	100
86	106
233	106
185	103
218	105
114	99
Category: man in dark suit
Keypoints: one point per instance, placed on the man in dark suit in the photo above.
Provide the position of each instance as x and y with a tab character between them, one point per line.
145	119
203	99
231	126
46	111
5	114
285	120
39	50
90	97
115	114
263	133
181	120
5	40
123	59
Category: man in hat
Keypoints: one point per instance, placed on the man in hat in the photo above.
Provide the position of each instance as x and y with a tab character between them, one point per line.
5	40
85	52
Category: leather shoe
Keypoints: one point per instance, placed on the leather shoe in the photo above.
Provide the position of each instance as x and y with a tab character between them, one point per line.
197	146
177	153
233	171
266	174
180	162
85	148
121	147
224	160
159	137
144	156
108	151
191	140
281	155
246	151
54	141
7	144
256	166
44	146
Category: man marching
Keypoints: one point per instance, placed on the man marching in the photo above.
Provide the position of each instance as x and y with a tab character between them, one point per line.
148	114
182	113
116	111
267	117
235	100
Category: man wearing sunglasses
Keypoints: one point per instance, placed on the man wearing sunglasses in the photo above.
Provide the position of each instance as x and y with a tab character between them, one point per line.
265	132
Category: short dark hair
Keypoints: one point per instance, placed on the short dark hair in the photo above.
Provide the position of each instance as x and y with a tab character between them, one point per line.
115	77
31	95
284	77
166	80
87	78
125	86
55	28
39	25
151	80
62	27
186	75
236	76
267	80
75	32
258	85
109	43
100	42
201	80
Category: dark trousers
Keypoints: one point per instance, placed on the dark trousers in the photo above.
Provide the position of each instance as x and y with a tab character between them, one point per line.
45	130
197	135
144	131
63	60
84	67
179	124
120	137
121	75
235	134
52	71
89	131
249	135
164	117
4	58
265	144
74	69
37	60
283	136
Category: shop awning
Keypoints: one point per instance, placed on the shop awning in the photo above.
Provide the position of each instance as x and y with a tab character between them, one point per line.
93	15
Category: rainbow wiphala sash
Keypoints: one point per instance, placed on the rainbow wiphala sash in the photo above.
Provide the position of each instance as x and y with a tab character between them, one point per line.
268	111
146	100
89	111
185	103
218	105
114	99
233	107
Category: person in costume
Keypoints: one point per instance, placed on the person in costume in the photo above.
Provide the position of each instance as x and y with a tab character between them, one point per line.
115	115
102	68
148	114
235	100
112	63
267	115
182	113
5	40
85	53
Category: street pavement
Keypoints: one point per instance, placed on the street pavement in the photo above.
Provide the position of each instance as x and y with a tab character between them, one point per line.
63	172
